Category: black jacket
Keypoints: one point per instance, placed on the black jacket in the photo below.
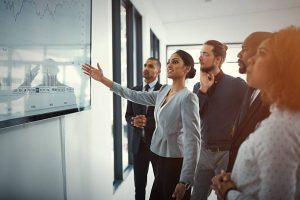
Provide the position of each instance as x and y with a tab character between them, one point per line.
256	113
134	109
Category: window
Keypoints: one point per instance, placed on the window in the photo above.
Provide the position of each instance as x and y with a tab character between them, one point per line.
154	45
127	56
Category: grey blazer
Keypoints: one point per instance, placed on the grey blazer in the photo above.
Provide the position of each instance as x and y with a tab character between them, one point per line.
177	133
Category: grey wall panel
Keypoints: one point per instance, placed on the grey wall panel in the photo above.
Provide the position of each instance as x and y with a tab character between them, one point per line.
31	163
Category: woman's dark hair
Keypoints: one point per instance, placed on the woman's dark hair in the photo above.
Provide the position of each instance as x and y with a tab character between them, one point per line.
188	61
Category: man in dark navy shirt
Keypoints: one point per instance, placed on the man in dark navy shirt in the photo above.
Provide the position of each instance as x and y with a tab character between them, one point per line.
220	96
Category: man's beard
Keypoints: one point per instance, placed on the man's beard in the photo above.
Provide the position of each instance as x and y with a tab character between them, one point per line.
145	75
242	67
208	69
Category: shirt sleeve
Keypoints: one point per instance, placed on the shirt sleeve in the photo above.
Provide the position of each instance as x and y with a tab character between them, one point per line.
191	142
144	98
277	163
202	96
236	195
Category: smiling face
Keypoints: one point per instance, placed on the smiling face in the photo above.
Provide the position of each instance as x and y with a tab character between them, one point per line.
176	68
257	70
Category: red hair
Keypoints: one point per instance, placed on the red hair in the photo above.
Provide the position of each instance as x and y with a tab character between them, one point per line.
284	70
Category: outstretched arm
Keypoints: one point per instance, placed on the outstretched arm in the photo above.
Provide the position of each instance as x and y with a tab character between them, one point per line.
145	98
97	74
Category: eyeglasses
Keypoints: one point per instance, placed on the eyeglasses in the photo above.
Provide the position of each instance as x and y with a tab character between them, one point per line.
205	54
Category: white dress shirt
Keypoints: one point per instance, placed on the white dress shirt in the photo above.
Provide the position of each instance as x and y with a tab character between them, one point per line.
254	95
152	85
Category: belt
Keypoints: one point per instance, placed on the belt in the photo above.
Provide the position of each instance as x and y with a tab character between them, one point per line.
217	149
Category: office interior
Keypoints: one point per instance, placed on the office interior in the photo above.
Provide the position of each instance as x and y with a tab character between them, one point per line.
84	155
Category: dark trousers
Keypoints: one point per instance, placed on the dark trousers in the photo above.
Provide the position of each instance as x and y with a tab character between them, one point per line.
141	162
167	174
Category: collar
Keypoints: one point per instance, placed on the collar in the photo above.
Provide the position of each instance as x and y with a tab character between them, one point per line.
152	84
219	76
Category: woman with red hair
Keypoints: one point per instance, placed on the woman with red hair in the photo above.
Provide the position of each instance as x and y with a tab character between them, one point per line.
268	162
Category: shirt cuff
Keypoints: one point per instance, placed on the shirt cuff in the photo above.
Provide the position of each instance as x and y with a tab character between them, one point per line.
232	194
114	87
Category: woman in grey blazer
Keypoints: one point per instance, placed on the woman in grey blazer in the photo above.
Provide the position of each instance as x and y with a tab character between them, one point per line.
176	139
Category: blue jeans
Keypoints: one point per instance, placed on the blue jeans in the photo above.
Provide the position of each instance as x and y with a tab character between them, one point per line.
209	165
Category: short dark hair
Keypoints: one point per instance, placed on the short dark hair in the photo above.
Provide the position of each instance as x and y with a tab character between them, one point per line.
219	49
255	38
156	60
188	61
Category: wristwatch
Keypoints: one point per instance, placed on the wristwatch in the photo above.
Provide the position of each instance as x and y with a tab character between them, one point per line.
186	185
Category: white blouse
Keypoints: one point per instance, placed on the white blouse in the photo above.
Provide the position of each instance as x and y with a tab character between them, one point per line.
268	162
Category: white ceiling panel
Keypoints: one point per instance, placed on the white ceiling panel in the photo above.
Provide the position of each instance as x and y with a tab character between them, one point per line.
194	21
174	11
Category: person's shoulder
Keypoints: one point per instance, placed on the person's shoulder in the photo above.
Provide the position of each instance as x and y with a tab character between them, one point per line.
240	80
157	86
233	78
187	94
196	87
189	99
197	84
278	134
236	81
164	87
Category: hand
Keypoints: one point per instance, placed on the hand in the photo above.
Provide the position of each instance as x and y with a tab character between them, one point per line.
96	74
179	191
206	81
139	121
222	183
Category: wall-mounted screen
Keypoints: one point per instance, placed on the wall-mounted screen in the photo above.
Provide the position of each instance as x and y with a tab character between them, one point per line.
42	46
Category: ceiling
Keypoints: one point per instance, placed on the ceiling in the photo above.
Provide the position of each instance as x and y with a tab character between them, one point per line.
193	21
174	11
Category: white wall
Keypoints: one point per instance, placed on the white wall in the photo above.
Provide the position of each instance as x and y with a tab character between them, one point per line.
150	20
89	144
233	28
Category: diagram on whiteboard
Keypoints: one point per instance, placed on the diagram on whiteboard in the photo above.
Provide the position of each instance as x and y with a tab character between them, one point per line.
42	46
